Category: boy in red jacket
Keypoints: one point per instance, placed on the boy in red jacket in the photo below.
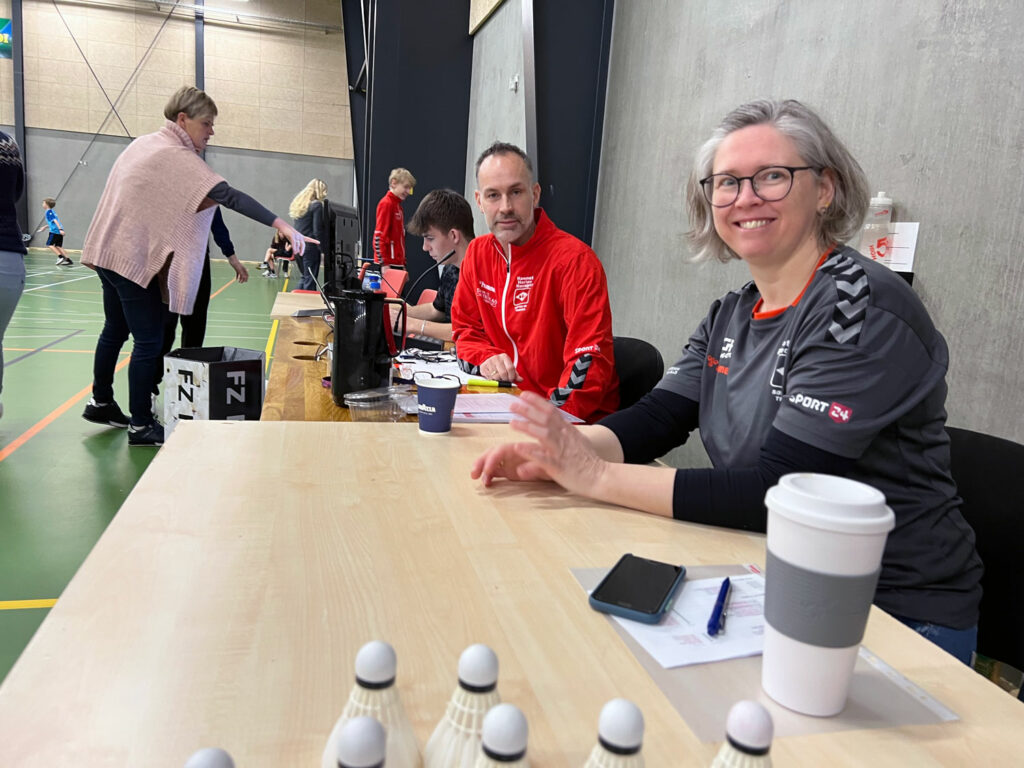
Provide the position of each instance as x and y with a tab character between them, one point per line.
532	302
389	232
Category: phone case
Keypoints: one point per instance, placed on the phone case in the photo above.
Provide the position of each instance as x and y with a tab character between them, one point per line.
629	613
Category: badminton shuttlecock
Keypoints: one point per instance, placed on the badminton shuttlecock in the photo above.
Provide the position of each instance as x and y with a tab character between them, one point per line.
375	695
361	744
504	738
210	757
748	737
455	742
620	734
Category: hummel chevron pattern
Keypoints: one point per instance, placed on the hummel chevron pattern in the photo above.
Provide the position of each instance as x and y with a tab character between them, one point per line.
576	378
854	291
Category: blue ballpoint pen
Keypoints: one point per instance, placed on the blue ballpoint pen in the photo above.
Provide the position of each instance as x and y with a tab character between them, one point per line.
717	621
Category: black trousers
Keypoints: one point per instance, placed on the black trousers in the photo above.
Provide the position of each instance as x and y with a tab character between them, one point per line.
193	327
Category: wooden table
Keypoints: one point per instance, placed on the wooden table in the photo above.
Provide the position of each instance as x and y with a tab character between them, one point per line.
224	606
286	303
295	390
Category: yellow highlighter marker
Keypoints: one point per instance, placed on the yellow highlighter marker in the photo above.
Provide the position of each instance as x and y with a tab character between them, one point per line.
489	383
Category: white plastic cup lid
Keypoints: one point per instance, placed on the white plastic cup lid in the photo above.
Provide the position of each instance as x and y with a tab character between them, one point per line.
831	503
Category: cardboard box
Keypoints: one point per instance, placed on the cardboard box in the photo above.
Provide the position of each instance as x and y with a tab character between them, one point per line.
212	383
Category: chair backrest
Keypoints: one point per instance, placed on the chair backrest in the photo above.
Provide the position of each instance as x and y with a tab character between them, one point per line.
393	281
989	474
639	366
427	296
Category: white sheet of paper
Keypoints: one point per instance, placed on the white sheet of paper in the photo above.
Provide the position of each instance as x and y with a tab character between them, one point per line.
904	243
491	409
682	637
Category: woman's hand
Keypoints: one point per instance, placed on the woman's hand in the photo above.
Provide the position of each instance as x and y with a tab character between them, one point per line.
560	451
293	236
241	273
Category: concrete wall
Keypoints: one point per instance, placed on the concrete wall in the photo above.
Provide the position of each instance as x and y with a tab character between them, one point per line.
926	96
495	111
80	164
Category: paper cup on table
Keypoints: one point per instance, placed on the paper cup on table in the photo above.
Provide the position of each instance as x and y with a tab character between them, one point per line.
825	541
435	398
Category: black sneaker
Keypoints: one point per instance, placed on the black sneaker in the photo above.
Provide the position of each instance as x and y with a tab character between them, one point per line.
68	263
151	434
108	414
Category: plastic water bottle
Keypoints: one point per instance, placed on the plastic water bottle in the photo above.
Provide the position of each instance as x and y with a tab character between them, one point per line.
875	240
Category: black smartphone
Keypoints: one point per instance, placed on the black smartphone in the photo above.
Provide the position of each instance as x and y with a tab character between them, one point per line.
637	588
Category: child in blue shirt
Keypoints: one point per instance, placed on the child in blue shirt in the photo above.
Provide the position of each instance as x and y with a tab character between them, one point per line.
55	240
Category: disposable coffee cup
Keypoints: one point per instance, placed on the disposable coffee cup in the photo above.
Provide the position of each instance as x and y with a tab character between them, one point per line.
825	541
435	403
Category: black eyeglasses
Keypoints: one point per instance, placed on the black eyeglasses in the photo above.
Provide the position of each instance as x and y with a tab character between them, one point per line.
771	184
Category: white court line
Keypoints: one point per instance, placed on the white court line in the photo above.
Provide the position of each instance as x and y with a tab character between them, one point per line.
94	302
52	285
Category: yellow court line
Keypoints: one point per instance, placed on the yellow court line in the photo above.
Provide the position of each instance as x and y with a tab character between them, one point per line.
17	605
270	345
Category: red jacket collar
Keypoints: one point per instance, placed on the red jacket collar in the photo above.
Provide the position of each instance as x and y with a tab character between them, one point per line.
542	231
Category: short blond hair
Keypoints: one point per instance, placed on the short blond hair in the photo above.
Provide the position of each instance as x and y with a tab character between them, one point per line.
401	176
192	101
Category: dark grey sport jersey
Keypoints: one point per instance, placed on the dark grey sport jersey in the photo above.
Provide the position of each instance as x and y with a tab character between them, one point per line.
857	369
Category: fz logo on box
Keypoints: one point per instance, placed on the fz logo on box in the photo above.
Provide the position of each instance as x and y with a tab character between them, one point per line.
235	395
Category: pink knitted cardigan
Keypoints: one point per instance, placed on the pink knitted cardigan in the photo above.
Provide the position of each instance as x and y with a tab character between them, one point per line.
148	222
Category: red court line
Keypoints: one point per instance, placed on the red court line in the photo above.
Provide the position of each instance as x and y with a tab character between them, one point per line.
56	413
229	282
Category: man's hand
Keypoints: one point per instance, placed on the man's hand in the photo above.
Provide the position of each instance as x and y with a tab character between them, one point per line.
499	368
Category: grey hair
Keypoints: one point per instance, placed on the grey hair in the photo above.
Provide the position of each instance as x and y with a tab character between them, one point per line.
504	148
818	147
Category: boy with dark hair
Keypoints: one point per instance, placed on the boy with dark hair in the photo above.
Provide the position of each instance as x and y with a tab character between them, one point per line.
445	222
55	240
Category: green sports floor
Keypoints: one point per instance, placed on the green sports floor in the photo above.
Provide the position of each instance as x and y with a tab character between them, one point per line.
63	479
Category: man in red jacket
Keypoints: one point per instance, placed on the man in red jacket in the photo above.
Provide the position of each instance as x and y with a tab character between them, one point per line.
389	232
532	302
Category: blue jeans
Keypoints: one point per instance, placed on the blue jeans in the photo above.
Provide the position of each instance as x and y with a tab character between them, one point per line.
309	260
12	283
961	643
130	309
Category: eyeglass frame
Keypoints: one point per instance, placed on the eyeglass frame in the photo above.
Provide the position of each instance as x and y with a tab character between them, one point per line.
740	179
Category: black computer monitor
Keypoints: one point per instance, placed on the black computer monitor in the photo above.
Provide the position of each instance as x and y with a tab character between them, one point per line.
341	238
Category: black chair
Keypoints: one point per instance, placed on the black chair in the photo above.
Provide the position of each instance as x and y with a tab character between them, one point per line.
989	474
639	366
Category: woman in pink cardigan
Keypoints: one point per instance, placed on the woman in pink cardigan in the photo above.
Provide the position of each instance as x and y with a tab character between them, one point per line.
147	243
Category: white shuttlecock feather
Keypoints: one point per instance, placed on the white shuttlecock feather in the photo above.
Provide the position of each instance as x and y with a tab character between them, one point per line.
748	737
375	695
455	742
504	739
362	743
210	757
620	735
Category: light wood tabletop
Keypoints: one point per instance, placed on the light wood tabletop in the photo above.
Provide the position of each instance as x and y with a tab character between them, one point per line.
224	605
295	390
286	303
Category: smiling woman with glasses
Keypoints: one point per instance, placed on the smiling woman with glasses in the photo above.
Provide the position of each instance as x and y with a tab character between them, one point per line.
824	362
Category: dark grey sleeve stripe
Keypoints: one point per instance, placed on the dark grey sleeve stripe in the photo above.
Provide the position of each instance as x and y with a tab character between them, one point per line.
577	376
855	293
467	367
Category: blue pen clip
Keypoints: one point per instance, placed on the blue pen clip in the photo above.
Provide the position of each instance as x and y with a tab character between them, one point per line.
717	621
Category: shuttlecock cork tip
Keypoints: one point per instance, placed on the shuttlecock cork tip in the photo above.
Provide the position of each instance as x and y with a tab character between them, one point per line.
505	732
210	757
361	743
749	727
376	664
478	669
621	727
